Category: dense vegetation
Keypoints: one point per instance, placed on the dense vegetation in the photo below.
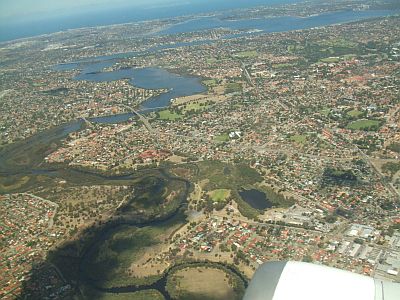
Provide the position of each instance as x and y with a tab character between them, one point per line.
339	176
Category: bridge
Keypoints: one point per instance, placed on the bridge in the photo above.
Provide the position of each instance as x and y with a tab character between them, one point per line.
87	122
141	118
247	75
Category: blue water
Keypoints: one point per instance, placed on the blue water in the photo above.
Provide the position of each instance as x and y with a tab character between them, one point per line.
276	24
10	30
148	78
178	86
13	30
112	119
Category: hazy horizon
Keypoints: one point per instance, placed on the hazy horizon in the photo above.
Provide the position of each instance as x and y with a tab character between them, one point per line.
22	18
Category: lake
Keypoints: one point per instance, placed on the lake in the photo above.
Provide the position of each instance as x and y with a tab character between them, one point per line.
255	199
147	78
11	29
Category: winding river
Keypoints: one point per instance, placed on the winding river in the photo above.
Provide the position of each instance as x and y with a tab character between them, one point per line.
107	230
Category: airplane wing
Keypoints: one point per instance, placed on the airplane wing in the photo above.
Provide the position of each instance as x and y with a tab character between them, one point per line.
305	281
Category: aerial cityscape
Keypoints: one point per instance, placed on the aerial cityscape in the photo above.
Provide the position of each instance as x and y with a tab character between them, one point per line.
169	158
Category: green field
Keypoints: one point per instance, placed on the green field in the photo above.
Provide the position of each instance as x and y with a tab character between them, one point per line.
195	106
226	176
336	59
349	56
368	125
166	114
339	42
222	137
233	87
354	113
219	194
330	59
210	82
298	138
203	284
325	111
247	54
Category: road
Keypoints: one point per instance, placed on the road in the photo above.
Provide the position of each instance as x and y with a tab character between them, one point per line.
141	118
247	75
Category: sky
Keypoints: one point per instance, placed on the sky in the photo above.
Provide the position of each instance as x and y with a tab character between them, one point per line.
24	10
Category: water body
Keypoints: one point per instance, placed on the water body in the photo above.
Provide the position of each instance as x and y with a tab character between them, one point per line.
148	78
11	29
276	24
151	78
267	25
255	198
178	86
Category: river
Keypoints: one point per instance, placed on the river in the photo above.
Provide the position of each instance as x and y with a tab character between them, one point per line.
276	24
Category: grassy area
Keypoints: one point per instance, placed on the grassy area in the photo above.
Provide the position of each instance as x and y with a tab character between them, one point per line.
330	60
336	59
247	54
233	87
226	176
222	137
211	60
325	111
195	106
349	56
298	138
291	48
201	283
354	113
210	82
339	42
219	194
368	125
166	114
182	110
217	175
